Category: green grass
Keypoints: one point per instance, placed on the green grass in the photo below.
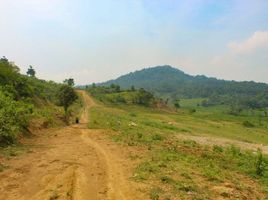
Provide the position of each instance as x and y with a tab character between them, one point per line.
177	168
134	127
205	121
13	150
188	167
191	103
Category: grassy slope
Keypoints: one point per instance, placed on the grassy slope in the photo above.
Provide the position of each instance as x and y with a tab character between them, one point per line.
45	115
184	169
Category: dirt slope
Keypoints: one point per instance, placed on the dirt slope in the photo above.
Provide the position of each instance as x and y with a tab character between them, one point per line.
72	163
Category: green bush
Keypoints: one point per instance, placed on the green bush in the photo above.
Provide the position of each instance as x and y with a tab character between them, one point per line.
14	118
66	96
260	165
248	124
192	110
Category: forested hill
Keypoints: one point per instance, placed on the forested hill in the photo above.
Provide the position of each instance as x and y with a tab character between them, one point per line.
171	82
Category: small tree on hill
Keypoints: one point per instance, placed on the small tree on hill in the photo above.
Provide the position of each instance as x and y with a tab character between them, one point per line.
235	109
144	97
4	59
117	88
69	81
133	88
66	96
166	101
31	72
177	104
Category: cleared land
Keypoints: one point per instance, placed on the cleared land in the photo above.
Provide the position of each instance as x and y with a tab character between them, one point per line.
131	152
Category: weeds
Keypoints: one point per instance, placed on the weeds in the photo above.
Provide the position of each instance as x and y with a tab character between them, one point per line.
260	165
13	150
54	195
181	167
248	124
3	167
218	149
155	193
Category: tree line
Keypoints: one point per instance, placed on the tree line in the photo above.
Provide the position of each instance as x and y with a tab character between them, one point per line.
114	94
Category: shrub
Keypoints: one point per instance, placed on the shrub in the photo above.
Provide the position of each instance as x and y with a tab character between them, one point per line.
120	99
157	137
132	114
248	124
144	97
192	110
66	96
217	149
154	193
260	165
14	117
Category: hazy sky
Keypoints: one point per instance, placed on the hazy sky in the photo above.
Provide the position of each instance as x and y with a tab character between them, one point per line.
93	41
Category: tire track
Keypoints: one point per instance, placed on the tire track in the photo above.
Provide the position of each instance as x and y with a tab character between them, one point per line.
71	165
116	184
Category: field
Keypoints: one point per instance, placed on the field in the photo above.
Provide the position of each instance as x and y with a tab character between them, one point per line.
126	151
134	100
174	166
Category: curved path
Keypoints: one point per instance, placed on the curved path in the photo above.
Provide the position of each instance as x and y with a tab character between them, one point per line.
72	163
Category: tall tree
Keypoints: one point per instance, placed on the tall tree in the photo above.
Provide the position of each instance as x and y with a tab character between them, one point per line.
31	72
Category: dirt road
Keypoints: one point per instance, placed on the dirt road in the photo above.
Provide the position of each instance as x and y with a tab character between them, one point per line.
73	163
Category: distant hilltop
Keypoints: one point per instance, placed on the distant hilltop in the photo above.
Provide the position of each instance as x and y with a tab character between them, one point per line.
167	81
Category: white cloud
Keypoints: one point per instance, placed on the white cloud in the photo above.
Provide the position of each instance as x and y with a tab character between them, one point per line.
258	40
246	59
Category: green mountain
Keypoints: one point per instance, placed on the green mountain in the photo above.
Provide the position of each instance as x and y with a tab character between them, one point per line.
167	81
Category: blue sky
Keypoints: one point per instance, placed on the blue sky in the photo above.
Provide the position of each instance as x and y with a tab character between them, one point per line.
94	41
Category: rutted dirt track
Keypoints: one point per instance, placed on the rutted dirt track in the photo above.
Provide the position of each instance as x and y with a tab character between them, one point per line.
73	163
